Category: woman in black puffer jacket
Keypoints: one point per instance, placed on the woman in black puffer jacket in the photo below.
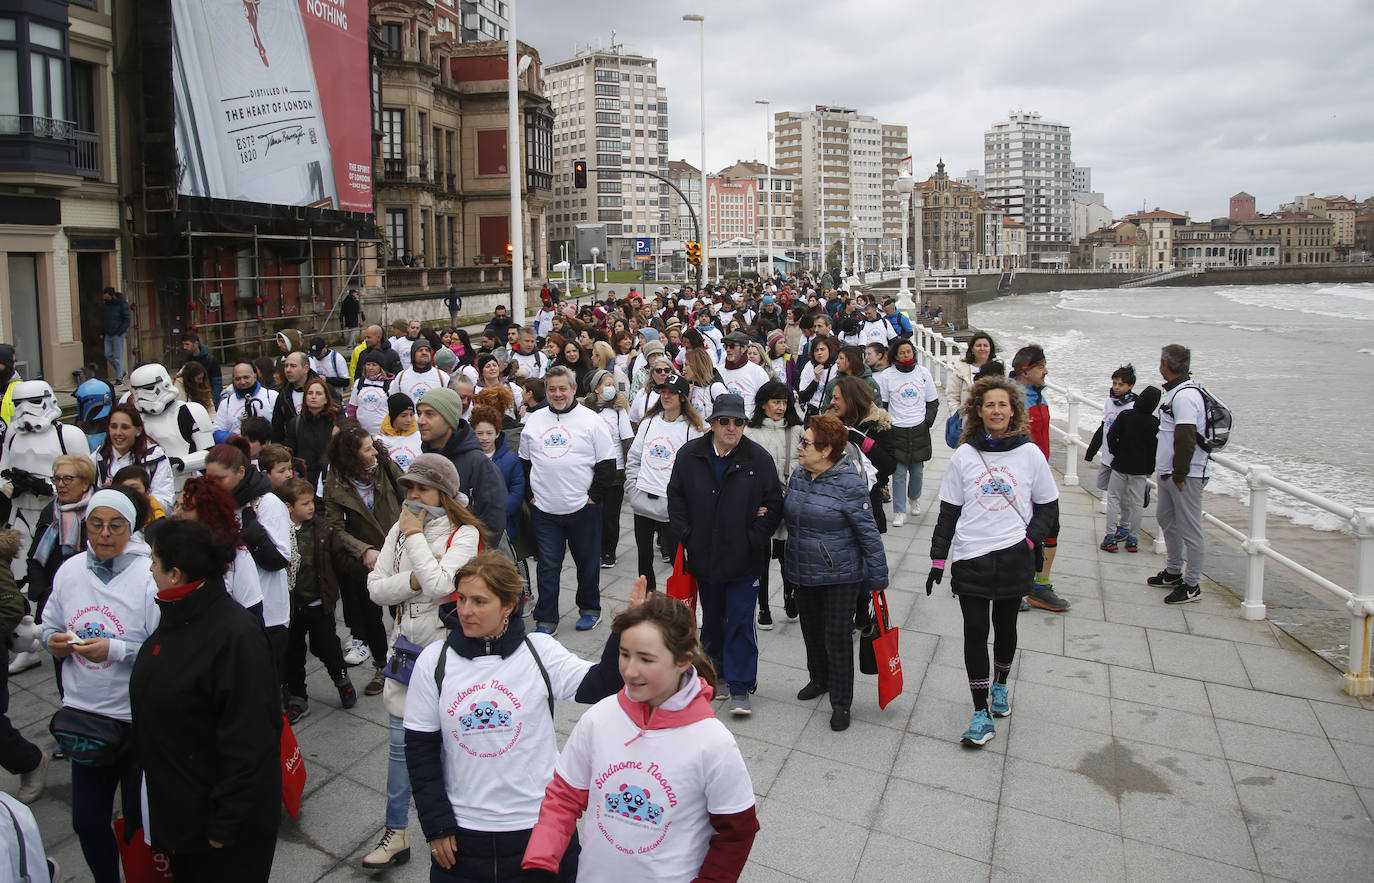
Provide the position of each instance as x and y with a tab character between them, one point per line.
309	432
833	548
998	502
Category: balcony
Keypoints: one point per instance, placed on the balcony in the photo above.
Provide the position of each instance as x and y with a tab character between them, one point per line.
40	144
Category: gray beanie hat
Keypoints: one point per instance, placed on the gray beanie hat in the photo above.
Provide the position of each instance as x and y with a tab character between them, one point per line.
433	470
444	359
447	403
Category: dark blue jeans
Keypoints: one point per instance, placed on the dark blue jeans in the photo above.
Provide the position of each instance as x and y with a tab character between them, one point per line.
579	533
93	792
727	631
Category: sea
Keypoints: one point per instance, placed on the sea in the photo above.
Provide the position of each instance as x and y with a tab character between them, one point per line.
1292	362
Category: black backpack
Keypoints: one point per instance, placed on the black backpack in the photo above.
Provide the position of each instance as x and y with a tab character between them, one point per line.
1216	419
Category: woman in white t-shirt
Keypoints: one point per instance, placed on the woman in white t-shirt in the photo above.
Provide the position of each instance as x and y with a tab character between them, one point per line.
706	382
998	502
817	373
665	791
479	729
606	399
912	403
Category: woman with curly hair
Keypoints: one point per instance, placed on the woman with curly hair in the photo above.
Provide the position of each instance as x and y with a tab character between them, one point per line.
998	502
205	500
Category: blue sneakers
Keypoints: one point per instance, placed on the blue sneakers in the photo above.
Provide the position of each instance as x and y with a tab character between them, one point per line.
980	730
587	621
546	628
998	703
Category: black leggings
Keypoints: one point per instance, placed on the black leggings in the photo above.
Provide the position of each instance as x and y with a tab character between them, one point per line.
976	622
610	516
647	531
363	618
776	550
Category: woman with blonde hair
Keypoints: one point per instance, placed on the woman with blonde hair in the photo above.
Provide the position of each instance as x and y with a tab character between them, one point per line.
706	382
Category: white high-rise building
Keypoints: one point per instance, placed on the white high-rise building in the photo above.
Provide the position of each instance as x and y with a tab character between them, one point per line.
845	167
1028	166
611	113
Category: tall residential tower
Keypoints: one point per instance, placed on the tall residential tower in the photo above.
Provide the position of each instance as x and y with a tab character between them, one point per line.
1028	165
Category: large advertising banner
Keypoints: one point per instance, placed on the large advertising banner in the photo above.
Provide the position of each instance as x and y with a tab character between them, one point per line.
272	101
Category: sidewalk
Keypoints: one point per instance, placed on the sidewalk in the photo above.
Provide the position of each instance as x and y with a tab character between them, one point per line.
1145	742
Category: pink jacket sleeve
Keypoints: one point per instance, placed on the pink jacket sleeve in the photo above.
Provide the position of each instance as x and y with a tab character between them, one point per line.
558	814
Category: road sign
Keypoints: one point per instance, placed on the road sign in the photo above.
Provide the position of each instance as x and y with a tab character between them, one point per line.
644	248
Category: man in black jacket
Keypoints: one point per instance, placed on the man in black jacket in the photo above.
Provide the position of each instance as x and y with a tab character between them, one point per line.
291	394
443	430
195	351
724	502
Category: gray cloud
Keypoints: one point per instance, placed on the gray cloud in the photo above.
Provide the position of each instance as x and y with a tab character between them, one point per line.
1171	104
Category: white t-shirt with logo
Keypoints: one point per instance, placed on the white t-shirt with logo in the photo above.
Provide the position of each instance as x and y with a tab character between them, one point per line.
402	448
650	794
996	498
745	381
655	451
1187	408
562	450
876	331
401	346
534	363
617	422
369	399
416	383
906	394
498	740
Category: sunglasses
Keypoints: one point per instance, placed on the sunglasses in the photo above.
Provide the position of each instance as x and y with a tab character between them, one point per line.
739	422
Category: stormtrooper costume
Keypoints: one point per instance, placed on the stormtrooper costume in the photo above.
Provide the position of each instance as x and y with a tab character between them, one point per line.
93	401
35	439
182	429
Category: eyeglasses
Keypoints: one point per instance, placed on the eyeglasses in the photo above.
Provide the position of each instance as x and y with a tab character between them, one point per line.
114	528
661	371
64	479
738	422
805	443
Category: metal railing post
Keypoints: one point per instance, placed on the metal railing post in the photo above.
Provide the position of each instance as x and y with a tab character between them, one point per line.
1070	446
1253	605
1358	680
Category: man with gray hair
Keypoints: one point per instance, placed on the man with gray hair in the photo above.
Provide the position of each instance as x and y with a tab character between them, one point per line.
1182	467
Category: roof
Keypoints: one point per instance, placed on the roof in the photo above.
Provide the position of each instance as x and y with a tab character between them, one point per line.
1242	194
1157	213
1008	222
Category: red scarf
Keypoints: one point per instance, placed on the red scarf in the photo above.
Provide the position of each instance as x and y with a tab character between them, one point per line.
176	593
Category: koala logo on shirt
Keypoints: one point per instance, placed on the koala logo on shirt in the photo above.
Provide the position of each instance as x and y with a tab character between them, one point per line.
996	485
89	630
613	803
635	804
484	716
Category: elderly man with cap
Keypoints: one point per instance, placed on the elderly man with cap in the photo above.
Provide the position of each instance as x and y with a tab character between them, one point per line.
741	376
327	363
422	375
444	431
724	502
570	462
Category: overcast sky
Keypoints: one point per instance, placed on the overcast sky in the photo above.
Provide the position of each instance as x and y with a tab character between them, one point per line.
1172	104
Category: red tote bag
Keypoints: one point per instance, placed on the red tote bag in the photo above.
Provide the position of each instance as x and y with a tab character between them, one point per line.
682	585
140	863
292	770
885	653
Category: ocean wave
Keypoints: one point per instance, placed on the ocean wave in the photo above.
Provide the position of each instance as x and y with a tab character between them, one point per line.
1366	350
1285	302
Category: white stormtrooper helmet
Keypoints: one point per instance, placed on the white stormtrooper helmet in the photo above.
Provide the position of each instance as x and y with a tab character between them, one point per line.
153	389
35	406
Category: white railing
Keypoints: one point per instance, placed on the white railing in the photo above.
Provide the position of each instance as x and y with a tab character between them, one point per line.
938	352
944	283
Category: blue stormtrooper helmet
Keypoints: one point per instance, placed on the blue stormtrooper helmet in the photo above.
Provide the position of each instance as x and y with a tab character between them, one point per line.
93	401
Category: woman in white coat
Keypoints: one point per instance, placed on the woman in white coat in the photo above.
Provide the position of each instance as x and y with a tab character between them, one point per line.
434	537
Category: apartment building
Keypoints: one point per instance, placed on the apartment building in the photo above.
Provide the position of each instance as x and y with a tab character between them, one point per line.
1028	167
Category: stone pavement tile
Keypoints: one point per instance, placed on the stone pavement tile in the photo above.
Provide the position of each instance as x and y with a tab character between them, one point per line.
806	844
300	861
1073	568
1292	673
1231	627
1034	847
756	872
947	765
890	859
1203	829
1039	630
1191	656
1265	709
763	760
865	708
1191	777
1358	761
1080	675
867	745
1133	591
1280	750
1085	601
948	682
338	744
949	653
805	777
338	819
1084	711
788	651
1156	616
1297	851
1146	863
776	722
1165	726
937	615
948	821
29	706
1060	794
779	682
1108	642
1345	723
944	721
1281	797
1040	740
1166	691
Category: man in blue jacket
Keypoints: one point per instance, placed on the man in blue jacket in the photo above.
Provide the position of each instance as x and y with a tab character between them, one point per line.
724	502
114	324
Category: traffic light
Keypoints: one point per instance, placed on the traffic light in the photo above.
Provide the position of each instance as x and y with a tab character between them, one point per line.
510	253
580	174
694	253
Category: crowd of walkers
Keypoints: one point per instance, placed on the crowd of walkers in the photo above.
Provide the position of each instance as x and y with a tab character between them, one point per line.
176	577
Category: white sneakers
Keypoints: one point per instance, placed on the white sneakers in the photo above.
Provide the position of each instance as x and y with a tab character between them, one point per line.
899	519
32	783
25	661
357	653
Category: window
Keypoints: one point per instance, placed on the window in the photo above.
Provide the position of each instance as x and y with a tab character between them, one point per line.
396	232
391	38
393	153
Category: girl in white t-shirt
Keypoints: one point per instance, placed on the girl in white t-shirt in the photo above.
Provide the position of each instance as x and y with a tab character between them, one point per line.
998	502
666	793
479	729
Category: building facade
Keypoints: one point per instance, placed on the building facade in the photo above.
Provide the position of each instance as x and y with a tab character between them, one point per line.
611	113
1120	245
687	178
960	229
1028	166
1242	207
776	215
1087	214
60	206
1013	249
845	166
1303	237
1222	242
1158	228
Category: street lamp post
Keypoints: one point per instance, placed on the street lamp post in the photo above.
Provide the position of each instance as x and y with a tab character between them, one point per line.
906	183
767	183
705	220
856	257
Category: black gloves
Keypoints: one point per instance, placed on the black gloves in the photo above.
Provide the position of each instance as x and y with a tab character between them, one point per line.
937	574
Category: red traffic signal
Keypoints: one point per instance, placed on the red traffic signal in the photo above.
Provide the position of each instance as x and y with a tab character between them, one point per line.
580	174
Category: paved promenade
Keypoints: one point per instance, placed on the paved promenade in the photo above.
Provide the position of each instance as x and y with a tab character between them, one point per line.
1145	743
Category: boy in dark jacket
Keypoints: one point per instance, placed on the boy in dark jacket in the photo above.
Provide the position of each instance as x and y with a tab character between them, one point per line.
1131	441
316	547
17	754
